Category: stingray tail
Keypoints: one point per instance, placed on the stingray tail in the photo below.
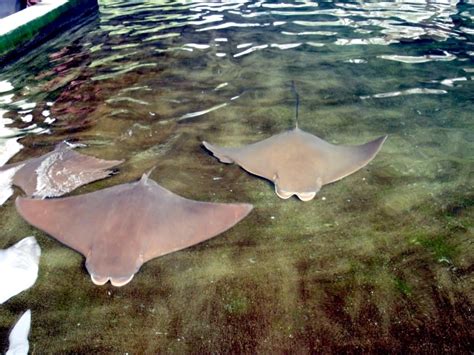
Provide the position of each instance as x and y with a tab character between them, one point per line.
297	101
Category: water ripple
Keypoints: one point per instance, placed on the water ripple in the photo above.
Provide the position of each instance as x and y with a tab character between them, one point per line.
207	51
202	112
414	91
353	24
419	59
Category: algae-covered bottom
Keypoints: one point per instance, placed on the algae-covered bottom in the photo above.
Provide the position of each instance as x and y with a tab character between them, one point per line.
379	261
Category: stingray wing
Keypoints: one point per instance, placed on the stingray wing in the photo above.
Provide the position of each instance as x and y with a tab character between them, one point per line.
260	158
175	223
70	220
142	216
340	161
61	171
225	155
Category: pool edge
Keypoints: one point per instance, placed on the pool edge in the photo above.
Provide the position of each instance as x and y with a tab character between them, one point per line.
41	26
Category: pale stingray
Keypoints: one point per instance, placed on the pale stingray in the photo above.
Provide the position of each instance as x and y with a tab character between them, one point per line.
53	174
297	162
18	267
18	338
120	228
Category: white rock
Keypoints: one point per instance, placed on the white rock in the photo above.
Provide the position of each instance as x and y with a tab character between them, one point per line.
19	335
6	180
18	267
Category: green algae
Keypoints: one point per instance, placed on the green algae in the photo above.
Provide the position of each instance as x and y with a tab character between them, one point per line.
403	287
438	246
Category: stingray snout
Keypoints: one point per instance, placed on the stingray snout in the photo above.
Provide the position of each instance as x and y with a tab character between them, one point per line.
303	196
101	274
115	281
303	192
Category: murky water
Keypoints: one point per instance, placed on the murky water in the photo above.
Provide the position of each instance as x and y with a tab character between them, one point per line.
382	260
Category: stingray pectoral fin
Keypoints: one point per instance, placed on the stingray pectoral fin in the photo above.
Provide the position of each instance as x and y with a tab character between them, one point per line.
85	168
60	218
192	222
345	160
61	171
223	154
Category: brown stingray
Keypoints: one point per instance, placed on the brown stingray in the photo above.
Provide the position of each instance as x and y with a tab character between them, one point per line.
58	172
299	163
120	228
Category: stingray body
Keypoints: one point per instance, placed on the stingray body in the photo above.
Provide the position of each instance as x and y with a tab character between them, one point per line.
297	162
55	173
119	228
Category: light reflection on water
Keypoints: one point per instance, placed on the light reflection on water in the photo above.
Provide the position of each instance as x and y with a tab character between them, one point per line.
9	135
382	260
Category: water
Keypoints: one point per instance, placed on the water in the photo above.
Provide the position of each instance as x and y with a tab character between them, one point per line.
382	260
8	7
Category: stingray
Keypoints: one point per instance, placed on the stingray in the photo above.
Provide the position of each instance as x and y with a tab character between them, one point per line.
297	162
119	228
53	174
18	267
18	338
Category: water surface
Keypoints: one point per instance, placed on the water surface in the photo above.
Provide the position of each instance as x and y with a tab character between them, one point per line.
382	260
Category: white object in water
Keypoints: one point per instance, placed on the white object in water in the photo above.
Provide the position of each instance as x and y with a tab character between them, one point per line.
18	267
6	180
19	336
